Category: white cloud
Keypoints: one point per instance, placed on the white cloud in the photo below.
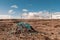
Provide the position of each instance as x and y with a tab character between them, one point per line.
36	15
25	10
41	15
11	11
16	17
56	15
9	17
5	16
14	6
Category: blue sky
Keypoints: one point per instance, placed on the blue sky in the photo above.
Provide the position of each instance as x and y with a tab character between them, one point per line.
28	5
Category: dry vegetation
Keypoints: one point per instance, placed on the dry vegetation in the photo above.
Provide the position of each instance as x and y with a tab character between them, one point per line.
50	29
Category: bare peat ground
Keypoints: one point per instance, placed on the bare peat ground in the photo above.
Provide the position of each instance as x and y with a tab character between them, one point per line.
49	28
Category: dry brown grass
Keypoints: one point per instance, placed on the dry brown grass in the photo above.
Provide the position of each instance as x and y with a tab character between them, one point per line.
50	29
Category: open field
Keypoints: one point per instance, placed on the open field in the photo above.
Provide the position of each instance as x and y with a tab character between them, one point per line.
50	29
